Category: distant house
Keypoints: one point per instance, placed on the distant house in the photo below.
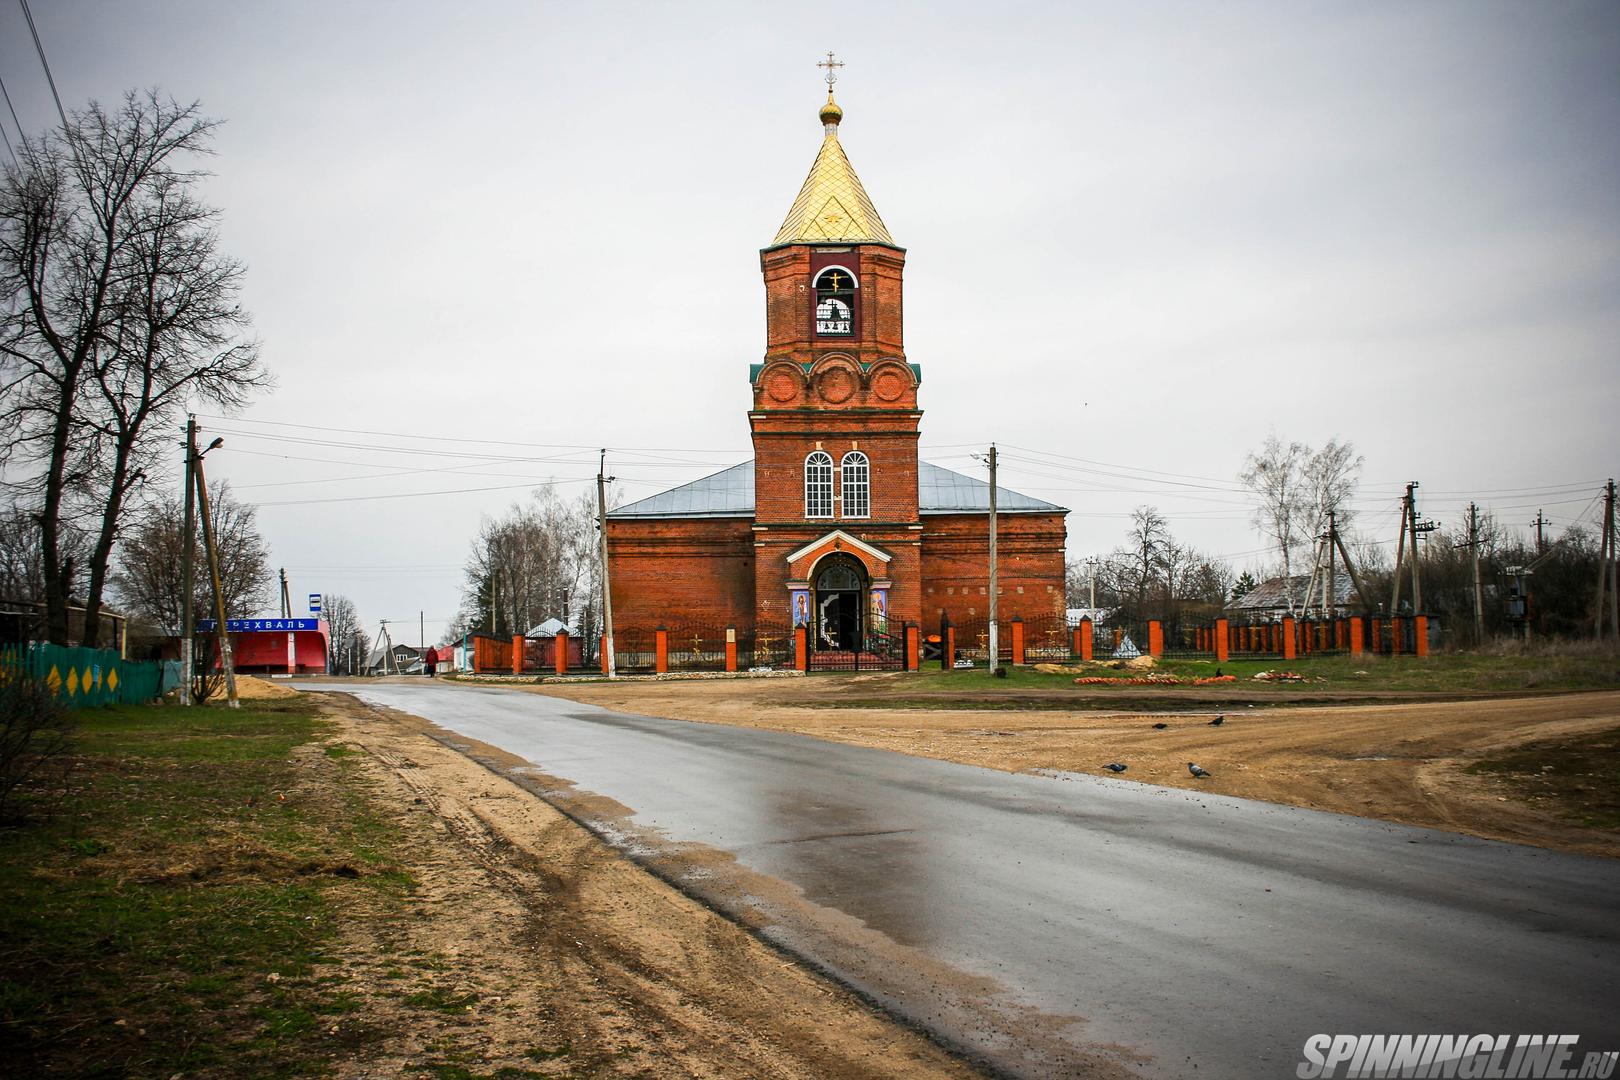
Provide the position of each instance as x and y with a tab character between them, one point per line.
404	661
1269	600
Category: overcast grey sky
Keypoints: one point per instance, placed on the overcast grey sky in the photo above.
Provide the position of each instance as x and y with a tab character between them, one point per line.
1138	233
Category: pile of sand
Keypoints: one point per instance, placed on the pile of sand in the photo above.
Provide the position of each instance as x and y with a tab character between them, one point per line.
250	688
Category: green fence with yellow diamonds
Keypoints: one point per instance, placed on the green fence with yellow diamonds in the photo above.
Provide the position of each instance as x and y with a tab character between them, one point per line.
87	677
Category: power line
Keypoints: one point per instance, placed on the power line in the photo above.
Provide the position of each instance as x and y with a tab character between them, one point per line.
21	134
39	47
425	494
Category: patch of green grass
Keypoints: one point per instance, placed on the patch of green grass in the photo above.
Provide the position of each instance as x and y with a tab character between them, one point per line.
440	999
1325	679
176	890
1578	777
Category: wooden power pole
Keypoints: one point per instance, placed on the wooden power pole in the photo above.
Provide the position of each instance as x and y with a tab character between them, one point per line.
188	546
607	588
1479	592
1606	570
995	588
225	659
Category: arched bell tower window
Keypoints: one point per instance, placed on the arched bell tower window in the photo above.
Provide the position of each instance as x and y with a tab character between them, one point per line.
857	485
835	303
818	485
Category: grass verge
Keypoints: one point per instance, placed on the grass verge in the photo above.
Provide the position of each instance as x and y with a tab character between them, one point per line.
1576	777
1327	680
173	913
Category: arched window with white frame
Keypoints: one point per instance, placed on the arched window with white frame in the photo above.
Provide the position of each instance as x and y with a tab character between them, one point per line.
857	485
818	485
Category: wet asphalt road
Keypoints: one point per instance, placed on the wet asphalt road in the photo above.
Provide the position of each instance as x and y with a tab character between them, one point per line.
1195	929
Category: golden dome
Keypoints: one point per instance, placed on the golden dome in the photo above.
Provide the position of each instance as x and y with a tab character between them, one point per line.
830	112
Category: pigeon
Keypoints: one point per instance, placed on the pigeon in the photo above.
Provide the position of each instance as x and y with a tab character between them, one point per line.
1160	727
1115	767
1218	721
1197	770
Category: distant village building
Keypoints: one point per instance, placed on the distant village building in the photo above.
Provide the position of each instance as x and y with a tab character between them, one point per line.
1269	599
835	524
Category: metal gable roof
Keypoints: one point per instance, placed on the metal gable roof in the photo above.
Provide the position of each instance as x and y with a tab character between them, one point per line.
730	494
945	491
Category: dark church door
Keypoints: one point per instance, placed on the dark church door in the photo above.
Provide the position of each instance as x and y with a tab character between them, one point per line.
839	594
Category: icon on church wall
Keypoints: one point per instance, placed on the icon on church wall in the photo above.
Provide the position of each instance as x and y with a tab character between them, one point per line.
880	610
801	607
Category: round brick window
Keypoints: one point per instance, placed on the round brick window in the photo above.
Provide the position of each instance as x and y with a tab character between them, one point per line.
837	386
782	386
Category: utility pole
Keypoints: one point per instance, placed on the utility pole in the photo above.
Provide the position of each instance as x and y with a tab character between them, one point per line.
1614	567
1344	553
1412	526
1539	523
1479	591
188	544
995	589
421	630
1332	593
1605	566
286	601
607	588
225	659
1400	554
1091	568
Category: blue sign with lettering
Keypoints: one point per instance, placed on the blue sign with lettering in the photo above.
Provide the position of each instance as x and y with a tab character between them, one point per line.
254	626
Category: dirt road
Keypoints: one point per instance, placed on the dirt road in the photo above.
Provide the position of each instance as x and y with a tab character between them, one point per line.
1401	762
564	944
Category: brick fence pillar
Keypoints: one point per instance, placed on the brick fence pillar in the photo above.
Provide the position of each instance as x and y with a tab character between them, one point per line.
801	648
660	650
947	647
1397	635
1017	641
1088	639
518	655
731	648
1155	638
1223	647
913	647
1289	643
1420	635
1355	635
602	652
560	643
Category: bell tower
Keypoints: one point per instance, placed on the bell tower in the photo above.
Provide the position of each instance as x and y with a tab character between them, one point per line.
835	416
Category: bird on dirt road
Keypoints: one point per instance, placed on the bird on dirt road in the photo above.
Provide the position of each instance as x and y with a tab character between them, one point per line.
1218	721
1115	767
1198	770
1160	727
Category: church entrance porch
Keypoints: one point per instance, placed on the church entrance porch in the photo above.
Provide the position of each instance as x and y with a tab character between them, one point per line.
849	624
838	601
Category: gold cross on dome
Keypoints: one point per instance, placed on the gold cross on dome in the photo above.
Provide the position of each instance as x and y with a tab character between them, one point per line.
832	67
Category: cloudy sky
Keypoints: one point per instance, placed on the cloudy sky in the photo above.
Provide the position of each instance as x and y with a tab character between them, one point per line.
485	239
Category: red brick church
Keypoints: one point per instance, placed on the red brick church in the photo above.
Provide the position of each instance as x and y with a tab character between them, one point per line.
835	524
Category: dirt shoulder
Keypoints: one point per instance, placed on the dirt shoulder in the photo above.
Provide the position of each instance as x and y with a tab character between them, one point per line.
556	942
1403	762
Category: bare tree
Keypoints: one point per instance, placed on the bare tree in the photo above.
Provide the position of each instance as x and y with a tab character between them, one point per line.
1273	475
536	561
148	577
344	625
117	307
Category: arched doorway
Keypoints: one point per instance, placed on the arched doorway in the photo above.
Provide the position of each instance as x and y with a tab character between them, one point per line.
838	602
